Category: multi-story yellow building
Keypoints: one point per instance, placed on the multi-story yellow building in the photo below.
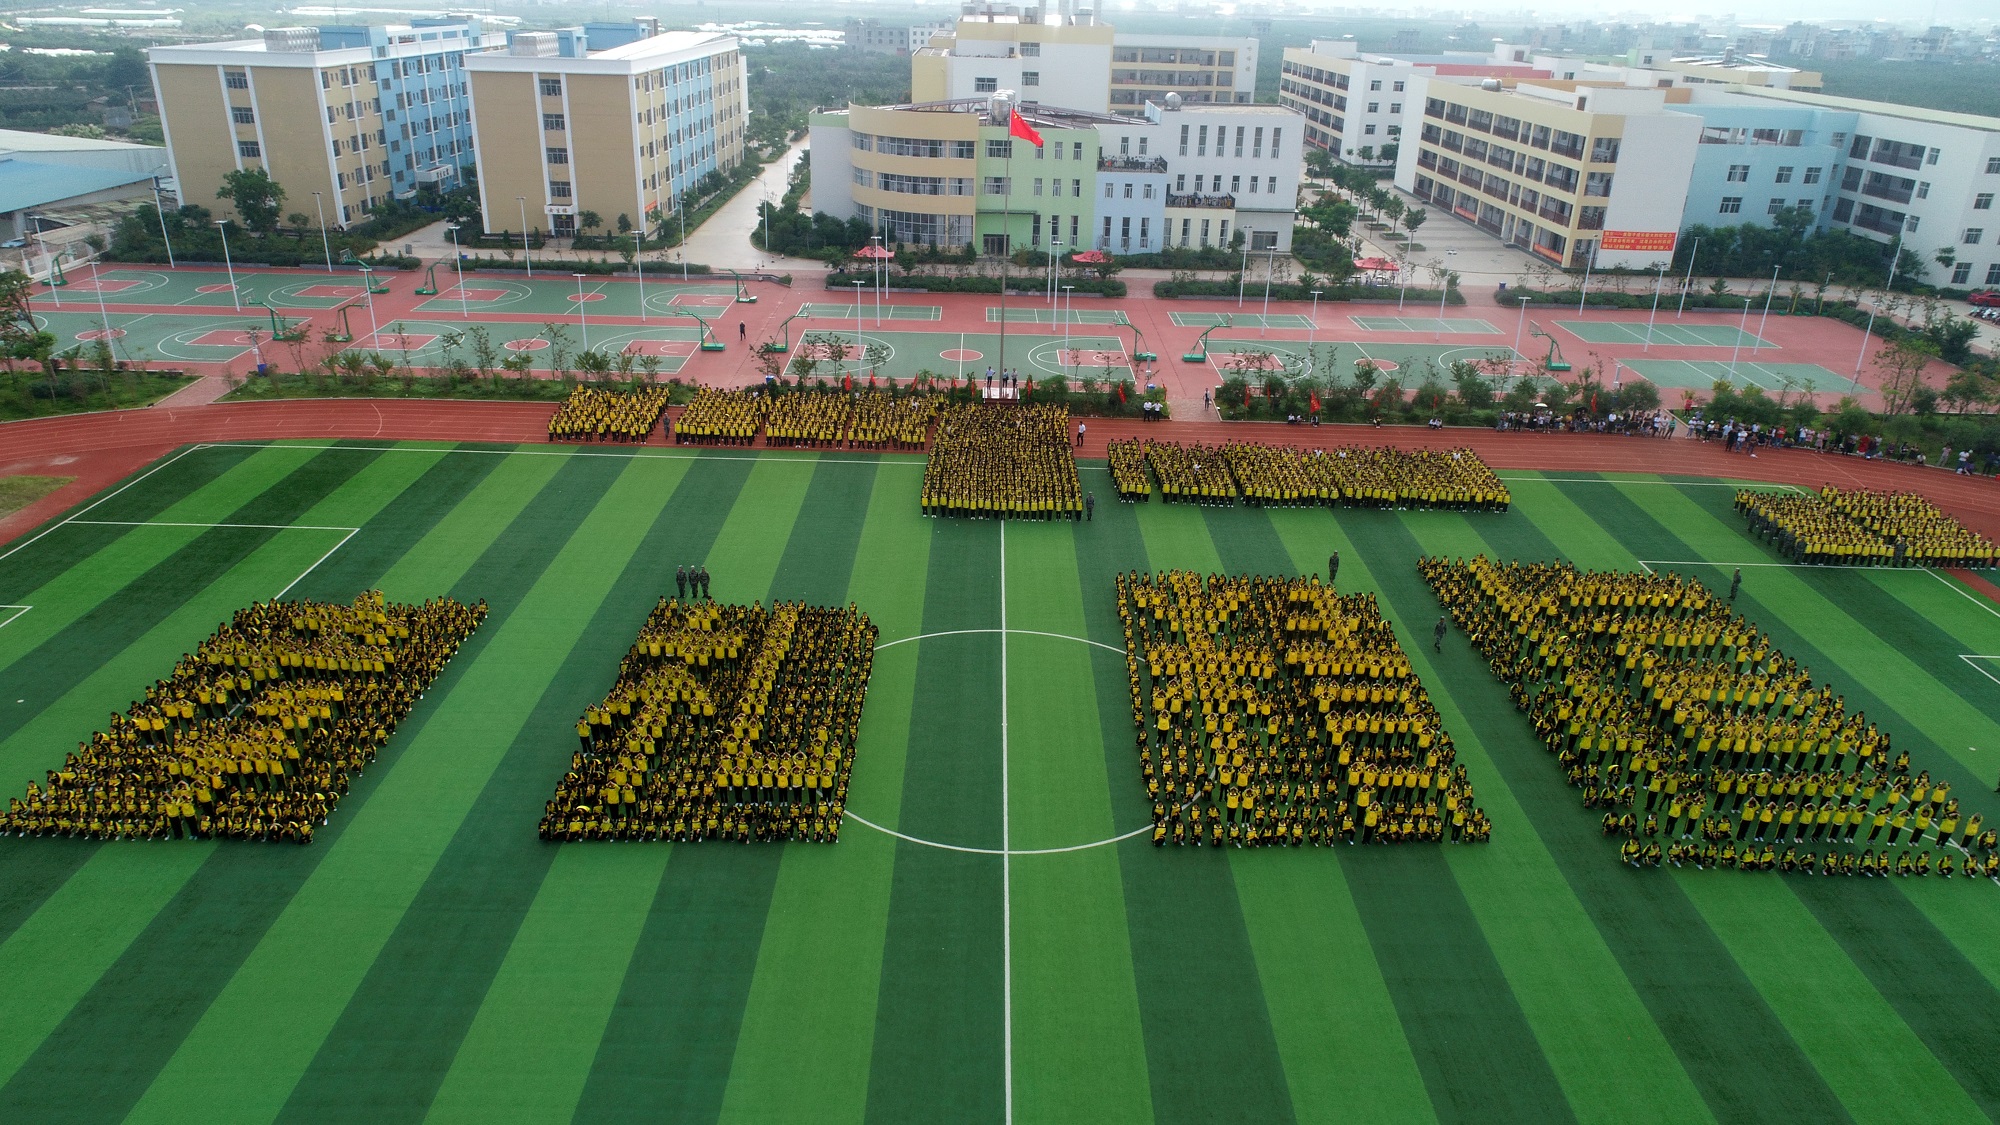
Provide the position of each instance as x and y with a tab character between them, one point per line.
1574	173
353	115
614	119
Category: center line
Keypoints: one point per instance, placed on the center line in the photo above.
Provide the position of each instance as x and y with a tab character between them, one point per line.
1006	851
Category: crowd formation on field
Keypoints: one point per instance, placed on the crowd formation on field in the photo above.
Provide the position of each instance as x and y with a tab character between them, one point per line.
1684	722
726	722
602	414
1860	527
1273	475
858	419
256	734
722	418
1003	462
1276	712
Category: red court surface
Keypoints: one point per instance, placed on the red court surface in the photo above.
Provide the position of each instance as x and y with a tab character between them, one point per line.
331	292
1827	343
219	338
661	347
100	285
470	294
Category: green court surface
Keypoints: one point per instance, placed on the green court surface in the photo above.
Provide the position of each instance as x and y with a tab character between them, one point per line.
426	343
666	296
1702	374
1239	320
1403	361
1034	314
1670	334
1449	325
817	310
206	289
142	337
951	354
1014	952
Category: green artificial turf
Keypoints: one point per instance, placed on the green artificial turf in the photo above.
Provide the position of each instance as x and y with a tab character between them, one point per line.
428	958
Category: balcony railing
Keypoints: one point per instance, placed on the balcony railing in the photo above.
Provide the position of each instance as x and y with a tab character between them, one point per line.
1227	202
1106	162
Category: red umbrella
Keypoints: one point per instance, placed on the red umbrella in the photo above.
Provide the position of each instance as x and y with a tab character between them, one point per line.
1375	264
874	252
1090	258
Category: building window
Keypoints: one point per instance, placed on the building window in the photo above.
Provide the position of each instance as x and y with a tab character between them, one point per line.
1128	189
1396	88
1812	176
1275	134
1374	107
1235	184
1375	85
552	122
1910	224
1105	238
1961	273
1142	146
249	148
985	86
558	189
963	150
242	115
1148	190
1739	173
1923	189
1038	185
863	177
999	150
1993	274
558	156
1732	204
1201	141
1931	157
239	80
1180	184
1031	78
1184	140
1273	185
1774	206
1784	175
1983	201
1806	205
552	87
1972	236
1394	107
993	185
1108	190
1368	130
1031	50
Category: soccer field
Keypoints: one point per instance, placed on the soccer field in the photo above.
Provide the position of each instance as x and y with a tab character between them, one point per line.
998	943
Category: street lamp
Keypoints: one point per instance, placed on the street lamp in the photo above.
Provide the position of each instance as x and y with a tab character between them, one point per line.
55	290
460	262
1270	267
105	317
326	246
1312	330
223	225
1068	296
368	287
877	240
526	257
582	319
858	349
1523	323
639	260
1243	274
161	210
1055	260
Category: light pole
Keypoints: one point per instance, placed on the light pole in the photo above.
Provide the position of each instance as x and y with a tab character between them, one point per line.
1689	282
1895	259
1655	314
460	263
1270	267
582	319
223	225
1243	274
1444	289
1068	296
680	208
1764	320
859	350
877	240
55	291
1743	330
105	317
526	257
161	210
1312	329
639	260
325	245
368	286
1583	293
1522	323
1055	261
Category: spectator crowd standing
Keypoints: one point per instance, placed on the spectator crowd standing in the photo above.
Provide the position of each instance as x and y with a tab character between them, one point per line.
1684	722
726	722
1275	712
255	734
600	414
1003	462
1862	527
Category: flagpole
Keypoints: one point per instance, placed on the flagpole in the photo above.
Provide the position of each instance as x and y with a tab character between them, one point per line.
1006	230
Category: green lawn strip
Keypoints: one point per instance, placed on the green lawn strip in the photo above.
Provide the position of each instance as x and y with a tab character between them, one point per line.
22	489
80	931
1211	1051
1611	1059
1780	599
510	1062
1663	945
1079	1048
808	1025
1549	509
1880	1070
53	995
938	1038
1923	961
135	575
1967	913
1887	671
453	937
667	1043
500	539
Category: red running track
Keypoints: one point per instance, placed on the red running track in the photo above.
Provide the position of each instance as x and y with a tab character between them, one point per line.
100	449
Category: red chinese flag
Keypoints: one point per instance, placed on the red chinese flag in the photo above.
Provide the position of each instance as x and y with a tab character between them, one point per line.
847	382
1017	126
1121	394
1314	399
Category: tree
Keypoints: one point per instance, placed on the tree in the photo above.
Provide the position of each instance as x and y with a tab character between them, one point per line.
1412	219
1901	367
589	220
256	197
1473	389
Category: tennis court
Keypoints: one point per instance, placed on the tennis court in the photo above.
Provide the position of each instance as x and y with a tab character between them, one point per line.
1450	326
1671	335
1239	320
1701	374
1036	315
819	310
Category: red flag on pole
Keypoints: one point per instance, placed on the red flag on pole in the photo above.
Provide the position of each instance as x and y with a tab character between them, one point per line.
1017	126
847	382
1313	398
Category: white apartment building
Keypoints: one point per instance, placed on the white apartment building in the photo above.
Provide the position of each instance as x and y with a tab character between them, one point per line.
1357	106
1203	70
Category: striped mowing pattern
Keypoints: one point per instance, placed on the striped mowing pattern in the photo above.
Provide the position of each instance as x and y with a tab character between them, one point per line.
428	959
